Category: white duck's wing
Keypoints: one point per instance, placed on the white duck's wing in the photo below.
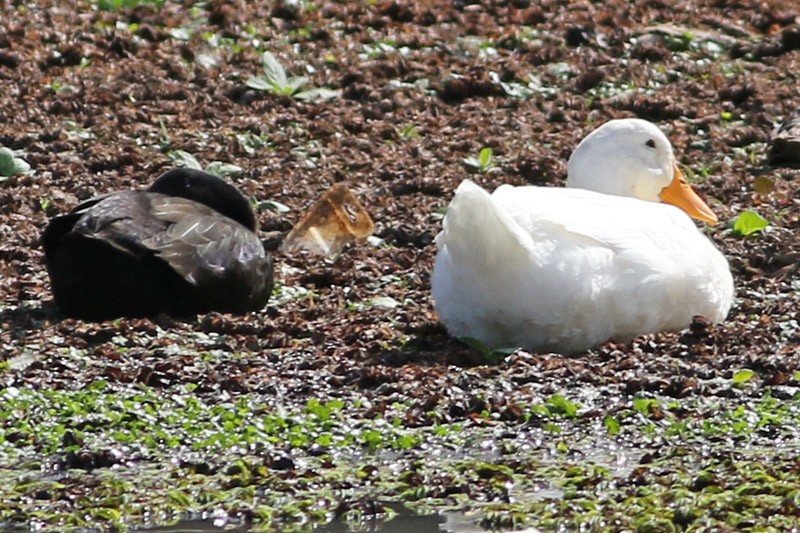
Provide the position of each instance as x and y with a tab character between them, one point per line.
622	225
658	258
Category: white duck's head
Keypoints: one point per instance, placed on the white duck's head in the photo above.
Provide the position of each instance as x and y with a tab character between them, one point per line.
632	157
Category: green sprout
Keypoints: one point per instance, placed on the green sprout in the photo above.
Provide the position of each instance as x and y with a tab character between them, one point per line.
275	81
483	163
185	159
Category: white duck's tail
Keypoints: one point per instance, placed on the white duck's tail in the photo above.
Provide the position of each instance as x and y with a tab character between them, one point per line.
478	248
478	232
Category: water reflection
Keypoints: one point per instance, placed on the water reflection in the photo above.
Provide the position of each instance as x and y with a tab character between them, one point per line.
403	522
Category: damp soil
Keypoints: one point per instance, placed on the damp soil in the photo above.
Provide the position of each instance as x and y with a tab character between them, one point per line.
349	360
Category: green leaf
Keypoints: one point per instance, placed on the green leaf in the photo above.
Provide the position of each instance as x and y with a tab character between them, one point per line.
475	344
185	159
743	375
11	165
273	205
485	157
483	162
273	71
317	95
224	169
489	354
181	34
559	405
472	162
259	83
409	132
644	405
611	424
384	301
748	223
295	82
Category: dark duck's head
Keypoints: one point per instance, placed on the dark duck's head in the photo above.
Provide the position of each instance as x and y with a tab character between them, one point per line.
207	189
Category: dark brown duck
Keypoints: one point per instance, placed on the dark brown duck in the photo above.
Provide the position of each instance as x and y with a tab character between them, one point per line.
185	246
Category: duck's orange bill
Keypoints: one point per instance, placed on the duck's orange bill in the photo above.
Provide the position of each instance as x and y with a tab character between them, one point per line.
680	194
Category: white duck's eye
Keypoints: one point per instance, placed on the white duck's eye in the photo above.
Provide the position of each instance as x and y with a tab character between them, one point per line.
650	143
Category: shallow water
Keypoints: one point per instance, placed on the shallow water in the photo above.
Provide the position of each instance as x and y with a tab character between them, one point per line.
404	521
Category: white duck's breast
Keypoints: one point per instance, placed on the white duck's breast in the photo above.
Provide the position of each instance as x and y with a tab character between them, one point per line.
565	269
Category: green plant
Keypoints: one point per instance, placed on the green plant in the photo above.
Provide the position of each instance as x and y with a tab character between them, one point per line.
185	159
483	163
250	142
558	405
748	223
11	164
409	132
272	205
488	354
744	375
275	81
115	5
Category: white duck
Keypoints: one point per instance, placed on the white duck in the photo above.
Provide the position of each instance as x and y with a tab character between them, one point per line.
566	269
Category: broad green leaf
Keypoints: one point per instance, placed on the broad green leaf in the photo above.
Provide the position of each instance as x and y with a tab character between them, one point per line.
295	82
318	94
611	424
748	223
11	165
384	301
223	169
285	90
743	375
185	159
273	71
476	344
644	405
259	83
558	404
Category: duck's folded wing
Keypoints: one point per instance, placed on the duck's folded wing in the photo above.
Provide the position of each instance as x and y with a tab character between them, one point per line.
199	243
619	224
120	220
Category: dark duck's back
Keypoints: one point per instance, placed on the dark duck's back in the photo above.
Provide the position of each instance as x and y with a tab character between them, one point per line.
185	246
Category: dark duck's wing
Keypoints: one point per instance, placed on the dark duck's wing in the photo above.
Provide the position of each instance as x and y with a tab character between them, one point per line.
99	268
143	253
224	261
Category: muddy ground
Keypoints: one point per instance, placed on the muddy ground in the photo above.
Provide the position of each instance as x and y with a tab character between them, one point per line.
98	100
